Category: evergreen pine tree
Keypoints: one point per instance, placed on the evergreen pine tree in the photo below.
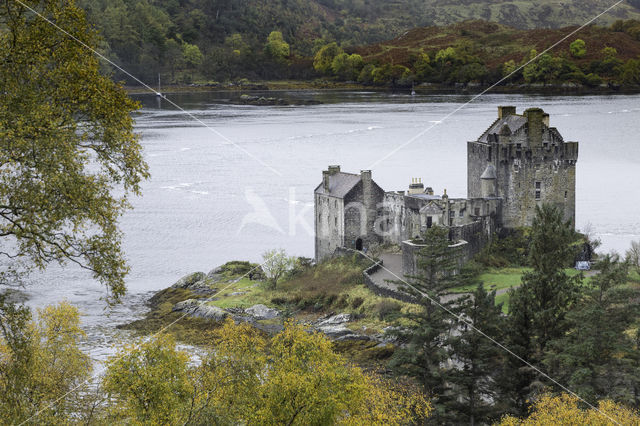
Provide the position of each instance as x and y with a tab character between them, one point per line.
424	356
597	358
538	308
477	359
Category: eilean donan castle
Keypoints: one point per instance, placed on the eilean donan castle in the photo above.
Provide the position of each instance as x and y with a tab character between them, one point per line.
517	163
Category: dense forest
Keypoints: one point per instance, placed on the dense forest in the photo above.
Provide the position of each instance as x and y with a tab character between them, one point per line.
200	41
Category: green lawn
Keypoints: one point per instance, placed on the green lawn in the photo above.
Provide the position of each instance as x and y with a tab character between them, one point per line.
496	279
505	278
504	299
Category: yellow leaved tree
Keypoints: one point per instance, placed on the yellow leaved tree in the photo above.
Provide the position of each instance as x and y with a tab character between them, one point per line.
41	365
565	410
149	383
293	378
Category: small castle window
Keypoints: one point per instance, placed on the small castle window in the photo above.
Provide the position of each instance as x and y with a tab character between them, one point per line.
335	221
461	213
489	155
335	204
538	185
452	213
537	194
565	195
429	221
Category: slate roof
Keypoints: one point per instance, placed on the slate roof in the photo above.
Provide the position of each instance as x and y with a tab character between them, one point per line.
425	196
513	122
339	184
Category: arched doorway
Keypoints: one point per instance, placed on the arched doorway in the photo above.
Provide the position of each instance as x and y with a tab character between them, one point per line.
359	244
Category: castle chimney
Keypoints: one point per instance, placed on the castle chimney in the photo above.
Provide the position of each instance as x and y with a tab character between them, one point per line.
545	119
334	169
368	198
416	187
325	181
535	118
505	111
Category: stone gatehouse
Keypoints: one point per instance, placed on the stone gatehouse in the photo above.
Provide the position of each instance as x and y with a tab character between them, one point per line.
518	163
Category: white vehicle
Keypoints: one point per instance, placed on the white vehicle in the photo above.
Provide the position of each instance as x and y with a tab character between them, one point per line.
583	265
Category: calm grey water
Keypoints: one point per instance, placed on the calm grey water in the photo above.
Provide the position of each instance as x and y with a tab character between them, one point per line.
209	202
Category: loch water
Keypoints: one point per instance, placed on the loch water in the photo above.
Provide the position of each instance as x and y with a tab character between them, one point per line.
245	183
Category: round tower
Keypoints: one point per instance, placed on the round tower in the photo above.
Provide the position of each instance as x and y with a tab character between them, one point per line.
488	182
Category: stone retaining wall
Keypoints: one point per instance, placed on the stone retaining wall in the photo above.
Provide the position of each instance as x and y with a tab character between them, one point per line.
384	291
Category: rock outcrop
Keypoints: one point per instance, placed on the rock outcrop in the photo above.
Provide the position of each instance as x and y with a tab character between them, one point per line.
261	312
197	308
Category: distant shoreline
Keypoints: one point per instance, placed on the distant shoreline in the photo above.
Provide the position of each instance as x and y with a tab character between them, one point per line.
422	89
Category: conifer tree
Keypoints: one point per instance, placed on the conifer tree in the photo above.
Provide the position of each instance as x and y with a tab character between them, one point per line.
597	358
538	308
424	356
477	358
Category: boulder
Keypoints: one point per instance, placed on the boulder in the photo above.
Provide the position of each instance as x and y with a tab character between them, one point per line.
188	306
335	331
353	336
189	280
261	312
335	319
196	308
210	312
215	275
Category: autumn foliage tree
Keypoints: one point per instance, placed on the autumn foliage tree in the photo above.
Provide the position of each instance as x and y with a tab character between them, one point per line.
66	143
566	410
41	364
296	378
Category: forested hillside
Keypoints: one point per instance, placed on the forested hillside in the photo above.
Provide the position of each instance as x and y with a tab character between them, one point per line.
218	40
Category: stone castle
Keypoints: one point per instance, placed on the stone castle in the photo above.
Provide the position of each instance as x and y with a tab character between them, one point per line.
518	163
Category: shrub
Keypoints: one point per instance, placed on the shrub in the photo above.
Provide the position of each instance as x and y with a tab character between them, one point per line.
386	308
356	302
511	249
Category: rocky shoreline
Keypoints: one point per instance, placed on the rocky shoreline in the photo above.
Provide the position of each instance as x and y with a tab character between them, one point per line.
207	286
565	89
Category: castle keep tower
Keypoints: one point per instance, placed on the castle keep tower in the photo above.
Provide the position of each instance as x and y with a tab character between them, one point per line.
525	163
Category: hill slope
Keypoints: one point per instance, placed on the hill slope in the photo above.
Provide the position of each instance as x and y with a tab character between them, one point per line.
223	39
496	44
528	14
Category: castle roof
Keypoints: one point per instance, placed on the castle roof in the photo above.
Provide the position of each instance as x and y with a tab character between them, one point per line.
489	172
511	122
425	196
339	184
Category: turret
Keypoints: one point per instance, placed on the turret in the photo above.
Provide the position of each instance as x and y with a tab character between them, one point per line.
488	182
